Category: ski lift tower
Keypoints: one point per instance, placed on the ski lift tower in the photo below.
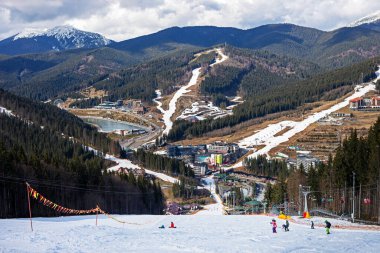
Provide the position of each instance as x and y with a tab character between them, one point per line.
305	191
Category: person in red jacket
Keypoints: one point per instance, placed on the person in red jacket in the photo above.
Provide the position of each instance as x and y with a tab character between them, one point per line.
274	225
172	225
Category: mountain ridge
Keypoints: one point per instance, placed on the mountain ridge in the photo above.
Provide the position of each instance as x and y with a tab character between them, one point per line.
59	38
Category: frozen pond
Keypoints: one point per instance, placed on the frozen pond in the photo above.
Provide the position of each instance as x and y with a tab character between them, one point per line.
109	125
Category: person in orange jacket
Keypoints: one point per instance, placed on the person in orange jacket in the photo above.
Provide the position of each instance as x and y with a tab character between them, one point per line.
274	225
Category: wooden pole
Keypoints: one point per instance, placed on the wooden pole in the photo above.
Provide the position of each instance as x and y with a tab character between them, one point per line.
97	210
360	200
30	210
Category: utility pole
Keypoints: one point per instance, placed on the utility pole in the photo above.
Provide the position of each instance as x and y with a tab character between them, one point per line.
353	197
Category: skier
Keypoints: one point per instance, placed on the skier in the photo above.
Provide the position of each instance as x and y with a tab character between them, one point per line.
172	225
328	226
286	226
274	225
312	224
162	226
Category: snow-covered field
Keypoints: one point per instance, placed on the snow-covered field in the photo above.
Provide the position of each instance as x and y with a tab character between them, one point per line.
193	234
125	163
267	136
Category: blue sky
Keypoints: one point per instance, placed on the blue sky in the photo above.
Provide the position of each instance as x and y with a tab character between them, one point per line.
123	19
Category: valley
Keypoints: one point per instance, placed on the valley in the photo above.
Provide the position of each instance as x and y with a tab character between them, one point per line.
276	121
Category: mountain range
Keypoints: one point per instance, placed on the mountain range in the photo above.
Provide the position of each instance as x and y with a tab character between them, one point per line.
46	63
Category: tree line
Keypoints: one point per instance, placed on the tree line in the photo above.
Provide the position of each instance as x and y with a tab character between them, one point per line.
167	165
261	166
59	121
64	171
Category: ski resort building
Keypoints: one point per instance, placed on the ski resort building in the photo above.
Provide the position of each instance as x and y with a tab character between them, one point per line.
200	169
307	161
365	103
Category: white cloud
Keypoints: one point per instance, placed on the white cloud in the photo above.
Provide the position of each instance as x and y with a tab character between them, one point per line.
122	19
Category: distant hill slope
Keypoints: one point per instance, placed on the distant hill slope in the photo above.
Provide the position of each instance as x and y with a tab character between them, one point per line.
59	38
343	46
371	21
41	76
265	95
44	75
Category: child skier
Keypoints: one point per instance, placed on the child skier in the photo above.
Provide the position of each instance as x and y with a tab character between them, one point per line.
286	226
274	225
312	224
172	225
162	226
328	226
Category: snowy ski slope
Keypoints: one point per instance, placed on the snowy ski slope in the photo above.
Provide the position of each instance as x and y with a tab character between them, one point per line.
167	114
225	234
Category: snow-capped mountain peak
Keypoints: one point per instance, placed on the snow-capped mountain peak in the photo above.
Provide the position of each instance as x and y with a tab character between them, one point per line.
372	18
62	38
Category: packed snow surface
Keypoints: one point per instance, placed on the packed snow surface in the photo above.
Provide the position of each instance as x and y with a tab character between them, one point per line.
267	136
193	234
125	163
173	102
212	209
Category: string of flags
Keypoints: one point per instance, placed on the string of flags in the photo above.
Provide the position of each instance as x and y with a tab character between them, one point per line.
46	202
39	197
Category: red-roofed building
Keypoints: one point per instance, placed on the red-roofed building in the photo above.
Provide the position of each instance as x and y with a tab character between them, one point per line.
356	103
365	103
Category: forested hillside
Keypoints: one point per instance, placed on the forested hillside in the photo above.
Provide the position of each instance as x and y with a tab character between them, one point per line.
61	168
167	165
262	68
262	99
42	76
332	182
333	49
164	73
59	121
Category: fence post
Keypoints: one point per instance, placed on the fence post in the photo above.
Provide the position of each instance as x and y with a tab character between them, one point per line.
360	199
378	201
30	210
97	210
